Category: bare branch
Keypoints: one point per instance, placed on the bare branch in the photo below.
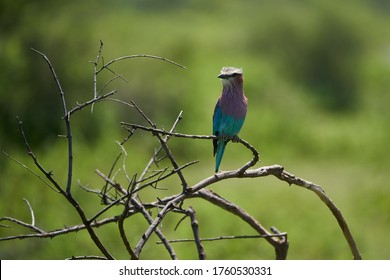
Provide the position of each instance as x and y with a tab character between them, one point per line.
280	245
145	237
66	119
23	224
229	237
57	81
32	171
153	224
166	149
122	232
112	183
155	131
86	258
161	178
95	93
166	139
292	179
91	102
50	234
195	230
139	56
31	211
48	174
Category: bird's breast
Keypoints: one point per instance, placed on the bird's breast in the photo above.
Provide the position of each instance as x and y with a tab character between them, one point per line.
234	107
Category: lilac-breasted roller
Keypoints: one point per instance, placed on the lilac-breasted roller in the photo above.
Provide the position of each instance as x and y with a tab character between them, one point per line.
230	110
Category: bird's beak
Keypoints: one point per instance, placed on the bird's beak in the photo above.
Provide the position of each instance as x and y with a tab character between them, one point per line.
222	76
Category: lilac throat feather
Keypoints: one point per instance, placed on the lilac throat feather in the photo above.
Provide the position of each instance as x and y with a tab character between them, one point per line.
233	101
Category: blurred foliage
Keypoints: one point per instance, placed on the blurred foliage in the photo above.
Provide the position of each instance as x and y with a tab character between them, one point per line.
316	78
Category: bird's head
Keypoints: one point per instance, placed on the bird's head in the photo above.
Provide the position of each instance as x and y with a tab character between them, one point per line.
231	75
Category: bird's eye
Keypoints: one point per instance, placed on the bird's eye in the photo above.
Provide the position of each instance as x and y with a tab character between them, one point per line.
234	74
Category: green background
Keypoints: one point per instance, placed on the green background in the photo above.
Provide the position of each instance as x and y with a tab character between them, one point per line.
317	82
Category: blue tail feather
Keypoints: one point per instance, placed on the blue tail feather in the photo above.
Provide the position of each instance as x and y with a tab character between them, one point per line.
221	145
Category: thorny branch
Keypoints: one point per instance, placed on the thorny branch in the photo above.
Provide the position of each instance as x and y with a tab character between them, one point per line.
195	229
154	130
125	198
66	119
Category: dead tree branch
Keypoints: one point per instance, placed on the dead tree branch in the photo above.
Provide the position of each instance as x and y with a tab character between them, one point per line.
195	229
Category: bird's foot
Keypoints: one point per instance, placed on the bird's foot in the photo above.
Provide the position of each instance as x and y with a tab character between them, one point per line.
235	139
224	137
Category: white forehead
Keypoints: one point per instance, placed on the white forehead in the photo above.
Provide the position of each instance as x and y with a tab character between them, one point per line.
231	71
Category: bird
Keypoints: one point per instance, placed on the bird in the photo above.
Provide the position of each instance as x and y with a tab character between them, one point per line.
230	111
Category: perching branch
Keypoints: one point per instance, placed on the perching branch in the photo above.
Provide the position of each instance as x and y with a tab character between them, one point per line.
157	131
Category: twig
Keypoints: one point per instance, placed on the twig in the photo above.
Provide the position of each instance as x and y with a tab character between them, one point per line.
23	224
157	151
138	56
251	163
91	102
153	224
122	232
32	171
292	179
145	237
224	237
105	209
31	211
85	188
66	118
161	178
50	234
166	149
104	190
120	101
195	230
112	183
86	258
95	94
48	174
281	246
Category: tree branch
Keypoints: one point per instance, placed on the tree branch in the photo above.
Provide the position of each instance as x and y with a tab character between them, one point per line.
292	179
184	240
138	56
66	119
155	131
280	243
195	229
166	149
144	238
